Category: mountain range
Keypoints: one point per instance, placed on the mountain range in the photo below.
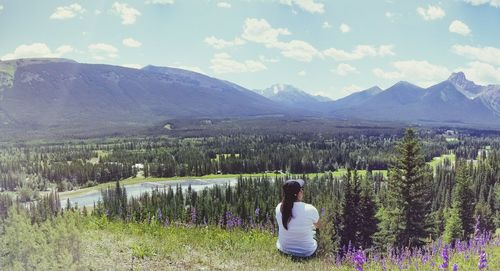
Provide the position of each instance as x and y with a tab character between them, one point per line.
61	94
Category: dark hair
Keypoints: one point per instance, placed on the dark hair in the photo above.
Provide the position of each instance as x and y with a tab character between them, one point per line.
290	193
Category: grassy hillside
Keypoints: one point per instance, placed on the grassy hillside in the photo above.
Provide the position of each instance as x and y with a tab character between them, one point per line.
75	242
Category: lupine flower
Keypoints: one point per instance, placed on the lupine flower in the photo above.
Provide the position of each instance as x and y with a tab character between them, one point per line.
323	211
359	260
455	267
483	262
444	254
257	211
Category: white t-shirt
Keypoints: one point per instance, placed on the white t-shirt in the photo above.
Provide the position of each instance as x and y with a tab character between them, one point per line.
298	240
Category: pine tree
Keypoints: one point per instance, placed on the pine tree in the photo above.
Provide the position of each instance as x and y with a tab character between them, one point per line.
350	212
453	229
463	199
408	194
368	209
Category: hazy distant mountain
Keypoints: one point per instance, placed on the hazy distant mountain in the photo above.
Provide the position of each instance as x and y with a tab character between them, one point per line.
445	102
61	94
468	88
489	95
356	98
291	96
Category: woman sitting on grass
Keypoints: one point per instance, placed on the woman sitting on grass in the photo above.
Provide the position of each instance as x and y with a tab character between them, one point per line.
297	221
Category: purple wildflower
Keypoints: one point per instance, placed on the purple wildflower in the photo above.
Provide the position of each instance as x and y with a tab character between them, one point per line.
323	211
446	258
455	267
359	259
257	211
483	262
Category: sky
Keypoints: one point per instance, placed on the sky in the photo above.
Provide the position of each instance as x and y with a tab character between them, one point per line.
332	48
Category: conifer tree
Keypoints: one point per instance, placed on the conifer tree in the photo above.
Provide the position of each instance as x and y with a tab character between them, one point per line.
453	229
350	212
408	194
463	199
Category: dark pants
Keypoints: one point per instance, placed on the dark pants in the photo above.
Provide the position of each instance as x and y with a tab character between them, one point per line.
299	258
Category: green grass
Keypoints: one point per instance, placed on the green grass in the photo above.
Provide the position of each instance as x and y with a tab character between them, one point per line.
119	246
438	160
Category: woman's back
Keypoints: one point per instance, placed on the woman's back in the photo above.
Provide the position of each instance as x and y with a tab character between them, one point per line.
298	240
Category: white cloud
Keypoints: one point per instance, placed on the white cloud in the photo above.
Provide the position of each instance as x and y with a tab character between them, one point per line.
493	3
308	5
97	12
302	73
1	8
268	60
224	63
344	69
359	52
160	2
130	42
422	72
127	13
344	28
482	73
298	50
224	5
37	50
67	12
260	31
326	25
221	43
102	51
483	54
431	13
64	49
459	27
132	66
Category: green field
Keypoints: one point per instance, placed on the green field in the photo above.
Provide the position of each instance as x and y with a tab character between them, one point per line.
438	160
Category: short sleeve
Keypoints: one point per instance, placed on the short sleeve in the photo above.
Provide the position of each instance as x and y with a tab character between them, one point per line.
314	214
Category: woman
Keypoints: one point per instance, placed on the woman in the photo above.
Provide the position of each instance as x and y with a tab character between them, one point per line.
296	221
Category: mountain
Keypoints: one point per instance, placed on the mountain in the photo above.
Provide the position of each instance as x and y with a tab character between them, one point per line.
466	87
293	97
445	103
356	98
63	94
490	96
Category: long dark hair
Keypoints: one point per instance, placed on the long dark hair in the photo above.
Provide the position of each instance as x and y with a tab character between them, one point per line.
290	193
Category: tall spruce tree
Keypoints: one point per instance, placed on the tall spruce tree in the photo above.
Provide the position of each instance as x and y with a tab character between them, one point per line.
409	186
350	216
368	209
463	199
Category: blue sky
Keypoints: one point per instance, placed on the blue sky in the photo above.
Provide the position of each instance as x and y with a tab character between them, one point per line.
331	48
